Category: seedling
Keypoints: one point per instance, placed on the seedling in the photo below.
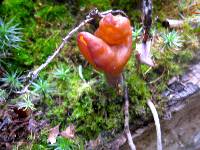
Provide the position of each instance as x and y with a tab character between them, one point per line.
12	81
172	40
10	35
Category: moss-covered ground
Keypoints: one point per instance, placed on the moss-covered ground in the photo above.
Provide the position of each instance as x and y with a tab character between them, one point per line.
69	90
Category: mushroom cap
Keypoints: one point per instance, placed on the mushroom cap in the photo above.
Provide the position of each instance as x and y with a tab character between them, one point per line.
109	49
114	29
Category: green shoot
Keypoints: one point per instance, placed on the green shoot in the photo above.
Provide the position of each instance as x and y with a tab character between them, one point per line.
26	103
61	72
12	80
10	35
42	87
172	40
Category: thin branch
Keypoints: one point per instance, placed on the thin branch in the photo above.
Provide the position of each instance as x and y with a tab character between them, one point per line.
126	120
146	72
157	124
92	15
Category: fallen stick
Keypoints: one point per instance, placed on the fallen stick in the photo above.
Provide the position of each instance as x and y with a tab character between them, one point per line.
157	124
178	24
173	23
126	120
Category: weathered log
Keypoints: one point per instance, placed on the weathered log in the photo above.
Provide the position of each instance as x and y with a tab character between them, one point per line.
174	23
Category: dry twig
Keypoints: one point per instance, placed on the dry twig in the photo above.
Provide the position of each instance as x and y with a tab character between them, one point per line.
126	120
157	124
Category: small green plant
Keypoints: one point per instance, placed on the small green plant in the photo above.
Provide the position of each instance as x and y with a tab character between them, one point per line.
12	81
10	35
26	103
42	87
61	72
172	40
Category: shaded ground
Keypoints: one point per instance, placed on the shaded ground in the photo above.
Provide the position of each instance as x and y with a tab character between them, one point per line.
181	124
181	132
16	125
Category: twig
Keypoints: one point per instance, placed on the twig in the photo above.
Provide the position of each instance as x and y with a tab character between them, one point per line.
157	124
147	70
115	12
157	79
126	120
92	15
120	140
173	23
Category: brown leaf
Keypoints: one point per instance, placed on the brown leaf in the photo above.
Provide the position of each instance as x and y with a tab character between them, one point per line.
144	54
35	126
68	132
32	125
53	134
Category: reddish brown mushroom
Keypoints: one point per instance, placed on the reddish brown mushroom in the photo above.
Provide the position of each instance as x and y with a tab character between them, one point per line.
109	49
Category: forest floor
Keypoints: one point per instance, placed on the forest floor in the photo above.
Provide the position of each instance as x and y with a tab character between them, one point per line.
70	98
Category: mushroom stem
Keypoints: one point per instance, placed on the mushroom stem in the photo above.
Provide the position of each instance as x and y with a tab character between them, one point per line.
114	80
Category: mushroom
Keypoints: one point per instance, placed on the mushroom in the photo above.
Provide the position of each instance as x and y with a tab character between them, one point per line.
110	48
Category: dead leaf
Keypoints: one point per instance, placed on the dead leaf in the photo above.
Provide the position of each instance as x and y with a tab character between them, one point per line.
32	125
53	134
144	54
35	126
68	132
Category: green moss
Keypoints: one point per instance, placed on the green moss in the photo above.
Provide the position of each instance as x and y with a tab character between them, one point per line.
20	10
90	4
43	23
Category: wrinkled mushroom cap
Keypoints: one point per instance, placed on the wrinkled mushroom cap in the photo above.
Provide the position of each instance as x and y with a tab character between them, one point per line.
110	47
114	29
